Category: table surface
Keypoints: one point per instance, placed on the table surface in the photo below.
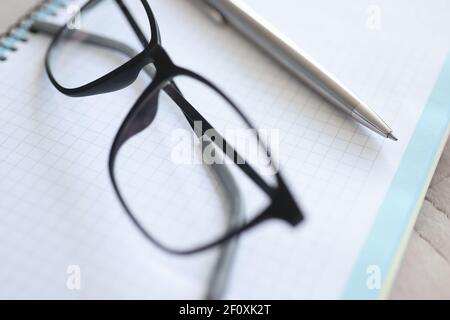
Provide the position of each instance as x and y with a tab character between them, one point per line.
425	269
424	272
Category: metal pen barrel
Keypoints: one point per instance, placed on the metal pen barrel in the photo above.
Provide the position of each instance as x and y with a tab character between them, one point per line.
295	61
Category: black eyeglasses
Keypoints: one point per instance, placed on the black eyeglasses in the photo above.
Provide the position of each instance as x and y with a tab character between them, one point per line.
174	157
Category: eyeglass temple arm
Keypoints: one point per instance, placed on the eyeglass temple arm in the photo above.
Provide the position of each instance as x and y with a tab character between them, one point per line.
221	272
207	129
222	268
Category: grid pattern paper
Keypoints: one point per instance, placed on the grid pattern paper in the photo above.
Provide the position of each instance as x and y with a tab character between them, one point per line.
57	204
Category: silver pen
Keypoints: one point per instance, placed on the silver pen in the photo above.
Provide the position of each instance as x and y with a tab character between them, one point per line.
239	15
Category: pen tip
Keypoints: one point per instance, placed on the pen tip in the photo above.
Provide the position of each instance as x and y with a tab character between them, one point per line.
392	137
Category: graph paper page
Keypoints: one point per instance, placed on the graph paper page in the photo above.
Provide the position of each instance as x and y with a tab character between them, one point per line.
57	204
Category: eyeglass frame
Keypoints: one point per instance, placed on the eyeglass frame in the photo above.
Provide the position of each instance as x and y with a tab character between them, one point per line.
283	206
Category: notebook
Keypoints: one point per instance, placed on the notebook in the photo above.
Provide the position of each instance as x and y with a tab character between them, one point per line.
360	192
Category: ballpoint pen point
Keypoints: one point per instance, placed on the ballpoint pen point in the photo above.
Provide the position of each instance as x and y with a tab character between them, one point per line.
392	137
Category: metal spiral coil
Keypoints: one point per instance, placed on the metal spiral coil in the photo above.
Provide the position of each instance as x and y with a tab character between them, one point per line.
20	30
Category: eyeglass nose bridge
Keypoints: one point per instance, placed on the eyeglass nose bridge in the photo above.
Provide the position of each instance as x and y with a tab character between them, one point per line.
165	68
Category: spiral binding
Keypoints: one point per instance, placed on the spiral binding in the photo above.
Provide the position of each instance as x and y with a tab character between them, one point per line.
19	31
